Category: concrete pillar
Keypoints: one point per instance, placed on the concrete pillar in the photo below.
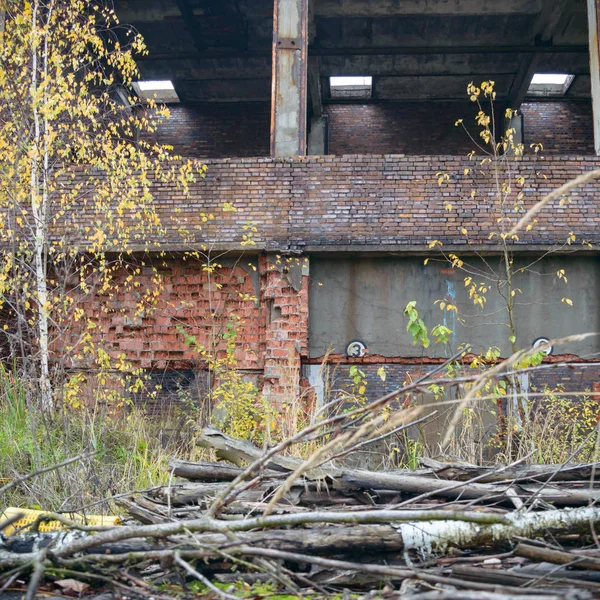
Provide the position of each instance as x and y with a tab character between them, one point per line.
594	31
290	68
515	123
317	138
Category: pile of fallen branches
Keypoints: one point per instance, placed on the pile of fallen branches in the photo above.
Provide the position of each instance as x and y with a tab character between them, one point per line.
444	531
323	527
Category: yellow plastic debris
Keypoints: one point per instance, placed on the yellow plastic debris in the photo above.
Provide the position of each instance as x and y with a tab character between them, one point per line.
29	516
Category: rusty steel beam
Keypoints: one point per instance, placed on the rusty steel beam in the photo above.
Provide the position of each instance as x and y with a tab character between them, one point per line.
594	31
290	78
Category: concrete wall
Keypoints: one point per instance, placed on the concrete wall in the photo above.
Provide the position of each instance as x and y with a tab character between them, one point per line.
364	298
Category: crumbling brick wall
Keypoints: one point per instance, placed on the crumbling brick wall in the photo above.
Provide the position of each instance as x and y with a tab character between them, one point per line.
264	300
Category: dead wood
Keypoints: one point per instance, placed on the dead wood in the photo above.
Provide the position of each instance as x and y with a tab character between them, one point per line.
210	472
512	578
557	557
416	485
241	452
520	473
412	484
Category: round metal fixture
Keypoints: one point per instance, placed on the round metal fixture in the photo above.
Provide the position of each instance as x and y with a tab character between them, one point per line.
356	349
539	342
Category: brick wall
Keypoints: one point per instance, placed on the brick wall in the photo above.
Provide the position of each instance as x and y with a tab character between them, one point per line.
365	201
220	130
563	127
217	130
574	376
398	128
264	299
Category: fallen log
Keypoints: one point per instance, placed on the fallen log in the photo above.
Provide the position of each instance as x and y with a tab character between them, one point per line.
512	578
519	473
416	485
558	557
406	482
241	452
210	472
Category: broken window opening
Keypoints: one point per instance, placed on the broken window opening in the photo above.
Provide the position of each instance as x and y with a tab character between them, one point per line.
360	87
550	84
159	91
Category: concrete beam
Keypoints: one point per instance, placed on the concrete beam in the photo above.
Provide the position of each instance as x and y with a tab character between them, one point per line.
290	78
516	124
140	11
318	136
546	24
400	50
431	88
189	17
522	81
378	8
218	90
207	68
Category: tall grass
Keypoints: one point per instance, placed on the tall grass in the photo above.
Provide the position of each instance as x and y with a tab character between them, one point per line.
131	451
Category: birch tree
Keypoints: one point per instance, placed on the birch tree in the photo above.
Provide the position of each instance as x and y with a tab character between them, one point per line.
75	175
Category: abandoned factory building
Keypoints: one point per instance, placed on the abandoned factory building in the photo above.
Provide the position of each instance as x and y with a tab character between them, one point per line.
327	123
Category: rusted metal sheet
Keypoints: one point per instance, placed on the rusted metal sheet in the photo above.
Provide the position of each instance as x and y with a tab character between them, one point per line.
594	29
290	68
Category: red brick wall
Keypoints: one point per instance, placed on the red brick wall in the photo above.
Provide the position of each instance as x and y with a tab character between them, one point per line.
563	127
269	313
217	130
186	298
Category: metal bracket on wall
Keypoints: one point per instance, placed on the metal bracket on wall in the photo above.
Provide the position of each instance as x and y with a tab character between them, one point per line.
285	43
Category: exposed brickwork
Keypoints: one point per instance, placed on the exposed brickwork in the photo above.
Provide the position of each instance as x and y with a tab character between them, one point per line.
286	335
219	130
272	326
359	201
575	377
215	130
187	297
580	377
368	201
398	128
563	127
419	128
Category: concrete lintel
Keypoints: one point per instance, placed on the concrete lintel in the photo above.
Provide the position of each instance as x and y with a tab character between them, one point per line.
372	8
290	78
594	33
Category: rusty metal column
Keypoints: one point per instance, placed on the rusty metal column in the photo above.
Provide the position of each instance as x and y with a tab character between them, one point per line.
594	32
290	68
